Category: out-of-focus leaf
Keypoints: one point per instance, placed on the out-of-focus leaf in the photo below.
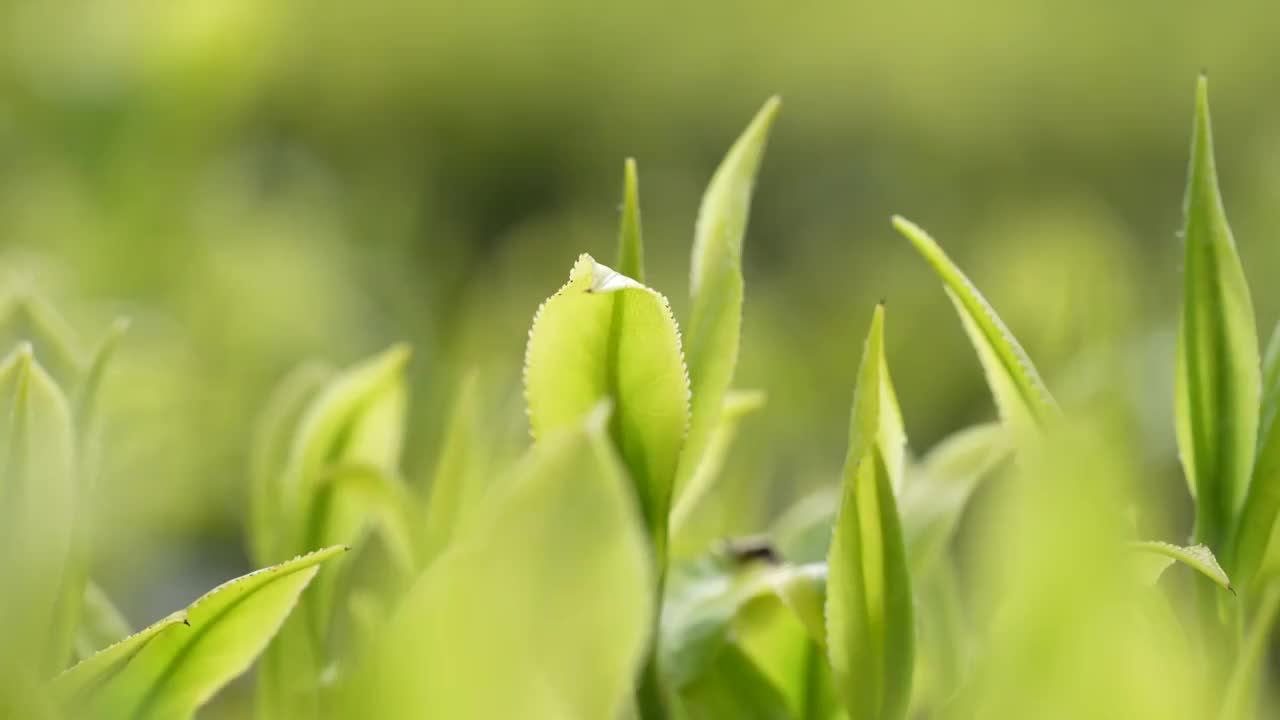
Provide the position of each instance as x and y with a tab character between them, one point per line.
37	512
737	405
1197	557
1218	384
376	496
90	385
630	239
1255	535
870	623
703	598
460	473
606	336
803	533
178	670
1021	396
732	686
30	319
333	429
716	285
943	641
101	624
272	445
1240	698
541	610
935	495
73	686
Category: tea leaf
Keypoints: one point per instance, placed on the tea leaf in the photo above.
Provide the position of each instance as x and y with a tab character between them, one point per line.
869	615
1262	504
1218	380
1020	394
630	239
37	513
179	669
716	285
935	496
272	445
733	686
549	585
737	405
459	479
71	686
606	336
101	624
1197	557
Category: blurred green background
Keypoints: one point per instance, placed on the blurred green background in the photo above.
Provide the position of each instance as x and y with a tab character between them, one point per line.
258	183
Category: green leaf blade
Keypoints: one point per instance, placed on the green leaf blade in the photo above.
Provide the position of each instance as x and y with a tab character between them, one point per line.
559	560
630	239
716	283
1197	557
870	624
178	671
604	336
1218	378
1021	396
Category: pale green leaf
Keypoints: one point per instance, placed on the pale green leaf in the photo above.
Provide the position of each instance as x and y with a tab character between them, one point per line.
1255	535
630	239
101	624
459	481
604	336
272	445
869	608
73	685
699	489
179	670
549	585
733	686
1218	384
37	512
29	318
1197	557
716	285
1021	396
90	385
331	430
934	498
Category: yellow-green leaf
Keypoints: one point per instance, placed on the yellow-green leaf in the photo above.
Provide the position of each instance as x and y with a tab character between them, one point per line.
1218	383
38	508
1256	530
180	669
716	285
1197	557
460	478
1021	396
737	405
870	626
71	686
549	585
630	239
604	336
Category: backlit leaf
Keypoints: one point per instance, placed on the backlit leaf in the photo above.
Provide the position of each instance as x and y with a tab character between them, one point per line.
604	336
716	285
1197	557
549	586
869	608
180	669
1020	394
1218	384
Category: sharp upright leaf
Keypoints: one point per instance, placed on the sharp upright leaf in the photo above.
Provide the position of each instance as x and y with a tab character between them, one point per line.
606	336
630	239
178	670
716	285
1218	380
1020	394
869	615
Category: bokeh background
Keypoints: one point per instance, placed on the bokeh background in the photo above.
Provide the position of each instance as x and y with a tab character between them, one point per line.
260	183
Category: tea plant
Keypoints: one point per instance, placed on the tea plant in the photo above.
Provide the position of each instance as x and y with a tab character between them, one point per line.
549	588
